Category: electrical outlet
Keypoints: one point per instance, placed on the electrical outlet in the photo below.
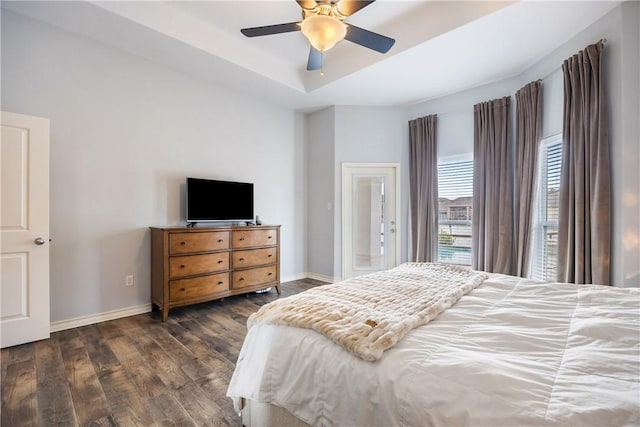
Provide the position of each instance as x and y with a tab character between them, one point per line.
128	281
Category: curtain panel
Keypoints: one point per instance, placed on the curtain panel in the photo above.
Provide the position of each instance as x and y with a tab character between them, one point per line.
584	227
492	225
423	181
528	125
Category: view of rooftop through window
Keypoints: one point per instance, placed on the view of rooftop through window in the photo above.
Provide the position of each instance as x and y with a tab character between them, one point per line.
455	191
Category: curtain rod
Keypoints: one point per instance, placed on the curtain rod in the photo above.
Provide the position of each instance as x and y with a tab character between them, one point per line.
540	80
602	40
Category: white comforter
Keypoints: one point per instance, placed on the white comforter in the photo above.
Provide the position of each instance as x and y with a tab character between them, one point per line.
512	352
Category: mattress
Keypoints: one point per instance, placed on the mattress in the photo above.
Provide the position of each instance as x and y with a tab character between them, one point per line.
511	352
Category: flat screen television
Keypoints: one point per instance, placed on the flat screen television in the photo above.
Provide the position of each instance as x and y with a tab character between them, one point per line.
210	200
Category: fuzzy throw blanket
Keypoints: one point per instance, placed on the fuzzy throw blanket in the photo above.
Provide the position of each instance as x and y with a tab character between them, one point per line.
369	314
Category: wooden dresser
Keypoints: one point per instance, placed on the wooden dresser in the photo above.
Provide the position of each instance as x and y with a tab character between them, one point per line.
192	265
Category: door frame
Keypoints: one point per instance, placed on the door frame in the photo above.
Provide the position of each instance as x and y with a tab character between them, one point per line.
346	166
31	322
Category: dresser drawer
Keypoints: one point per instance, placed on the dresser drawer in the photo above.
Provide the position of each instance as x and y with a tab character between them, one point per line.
182	243
190	265
250	238
254	257
254	276
194	265
198	287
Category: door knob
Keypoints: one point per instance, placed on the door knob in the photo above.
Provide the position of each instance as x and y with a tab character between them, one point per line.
39	241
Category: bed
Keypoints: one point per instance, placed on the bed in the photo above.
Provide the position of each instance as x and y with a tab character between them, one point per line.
509	352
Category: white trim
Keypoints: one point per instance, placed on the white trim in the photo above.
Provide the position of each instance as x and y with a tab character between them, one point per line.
551	138
537	253
322	277
292	277
61	325
370	165
347	200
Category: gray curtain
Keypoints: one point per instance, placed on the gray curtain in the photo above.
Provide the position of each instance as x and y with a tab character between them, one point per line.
492	229
528	122
584	227
423	176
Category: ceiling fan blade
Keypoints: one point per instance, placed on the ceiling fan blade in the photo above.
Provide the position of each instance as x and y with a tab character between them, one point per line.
315	60
271	29
349	7
369	39
307	4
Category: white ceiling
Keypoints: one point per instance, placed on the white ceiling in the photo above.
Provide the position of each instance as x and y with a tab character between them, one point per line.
442	47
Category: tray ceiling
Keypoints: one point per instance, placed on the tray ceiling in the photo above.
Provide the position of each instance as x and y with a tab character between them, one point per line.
441	46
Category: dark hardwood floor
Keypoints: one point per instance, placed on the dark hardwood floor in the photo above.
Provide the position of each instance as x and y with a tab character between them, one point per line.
135	371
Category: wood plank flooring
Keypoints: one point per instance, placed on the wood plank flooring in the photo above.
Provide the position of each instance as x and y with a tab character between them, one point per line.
135	371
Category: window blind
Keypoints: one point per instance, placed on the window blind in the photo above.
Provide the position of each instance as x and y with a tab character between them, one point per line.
455	179
455	191
545	254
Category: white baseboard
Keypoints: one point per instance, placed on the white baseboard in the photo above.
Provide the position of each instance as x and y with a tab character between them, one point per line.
61	325
291	278
302	276
322	277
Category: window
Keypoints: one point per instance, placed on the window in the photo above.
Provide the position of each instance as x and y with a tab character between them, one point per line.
460	212
545	239
455	191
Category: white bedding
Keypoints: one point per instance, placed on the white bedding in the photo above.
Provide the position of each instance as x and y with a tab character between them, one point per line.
511	352
369	314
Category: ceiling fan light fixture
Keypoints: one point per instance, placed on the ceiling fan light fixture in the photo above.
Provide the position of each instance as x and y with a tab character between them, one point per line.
323	31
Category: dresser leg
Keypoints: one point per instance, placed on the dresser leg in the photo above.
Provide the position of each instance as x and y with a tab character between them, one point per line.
165	314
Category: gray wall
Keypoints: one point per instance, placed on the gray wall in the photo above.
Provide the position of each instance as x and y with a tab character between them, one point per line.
622	53
370	135
629	177
455	115
620	28
320	191
124	134
348	134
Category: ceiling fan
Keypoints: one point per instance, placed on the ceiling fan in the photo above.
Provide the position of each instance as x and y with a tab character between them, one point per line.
323	24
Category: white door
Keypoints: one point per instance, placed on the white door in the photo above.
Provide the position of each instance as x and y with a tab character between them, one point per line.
370	212
24	229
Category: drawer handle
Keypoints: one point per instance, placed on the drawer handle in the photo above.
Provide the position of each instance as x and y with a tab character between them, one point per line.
269	256
270	274
183	289
241	259
242	238
183	243
220	261
181	265
220	240
241	279
220	282
270	237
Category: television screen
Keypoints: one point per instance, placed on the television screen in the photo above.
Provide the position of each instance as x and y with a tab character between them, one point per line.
209	200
